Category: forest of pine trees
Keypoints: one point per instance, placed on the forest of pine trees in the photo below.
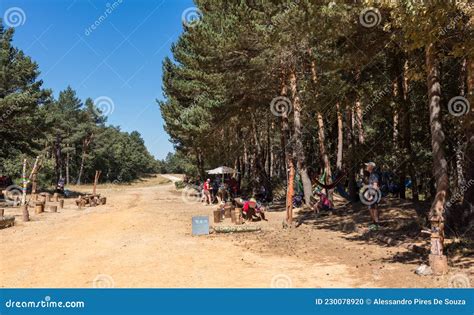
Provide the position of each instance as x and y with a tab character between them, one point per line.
278	89
69	135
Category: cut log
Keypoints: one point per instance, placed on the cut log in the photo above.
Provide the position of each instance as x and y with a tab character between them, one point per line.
217	216
52	208
103	200
39	207
25	213
7	221
238	216
227	210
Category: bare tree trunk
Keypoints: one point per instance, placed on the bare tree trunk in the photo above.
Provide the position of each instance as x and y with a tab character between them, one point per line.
287	148
67	167
351	154
340	138
299	150
468	126
58	158
438	261
322	149
85	145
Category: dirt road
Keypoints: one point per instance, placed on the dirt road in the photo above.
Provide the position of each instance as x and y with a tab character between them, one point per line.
142	238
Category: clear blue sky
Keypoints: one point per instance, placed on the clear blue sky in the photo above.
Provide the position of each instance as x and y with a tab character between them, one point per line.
120	59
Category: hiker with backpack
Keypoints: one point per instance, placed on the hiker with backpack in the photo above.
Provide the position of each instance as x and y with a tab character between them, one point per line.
373	194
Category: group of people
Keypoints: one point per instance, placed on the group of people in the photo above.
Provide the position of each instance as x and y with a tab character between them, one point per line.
218	190
227	189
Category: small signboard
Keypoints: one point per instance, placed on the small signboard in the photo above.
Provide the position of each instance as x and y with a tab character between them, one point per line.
201	225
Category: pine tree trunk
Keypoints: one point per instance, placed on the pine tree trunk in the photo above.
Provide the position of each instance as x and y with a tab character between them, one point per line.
58	158
468	126
299	150
287	149
440	172
322	149
351	154
67	167
340	138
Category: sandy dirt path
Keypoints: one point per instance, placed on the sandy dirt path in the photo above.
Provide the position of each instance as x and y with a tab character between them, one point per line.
142	238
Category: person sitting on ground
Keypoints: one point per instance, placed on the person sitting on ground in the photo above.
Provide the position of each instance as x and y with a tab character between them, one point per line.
251	210
324	203
373	195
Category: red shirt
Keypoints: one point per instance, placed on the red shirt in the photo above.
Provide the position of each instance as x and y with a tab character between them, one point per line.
206	186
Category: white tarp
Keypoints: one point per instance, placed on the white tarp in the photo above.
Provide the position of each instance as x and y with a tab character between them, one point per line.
222	170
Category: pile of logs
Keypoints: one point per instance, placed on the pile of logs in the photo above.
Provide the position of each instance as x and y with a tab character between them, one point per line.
6	221
90	200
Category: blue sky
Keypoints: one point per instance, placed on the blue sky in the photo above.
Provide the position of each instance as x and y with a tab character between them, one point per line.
120	59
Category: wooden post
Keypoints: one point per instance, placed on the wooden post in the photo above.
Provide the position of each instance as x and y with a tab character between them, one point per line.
61	203
25	213
2	213
96	180
438	261
56	197
238	216
217	215
25	183
39	207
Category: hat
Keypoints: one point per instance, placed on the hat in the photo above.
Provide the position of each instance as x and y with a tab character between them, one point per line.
370	163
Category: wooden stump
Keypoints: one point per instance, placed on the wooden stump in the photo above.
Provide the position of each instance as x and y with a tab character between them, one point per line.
56	197
233	217
227	210
52	208
217	216
39	207
2	213
103	200
61	203
238	216
438	264
7	221
25	213
82	203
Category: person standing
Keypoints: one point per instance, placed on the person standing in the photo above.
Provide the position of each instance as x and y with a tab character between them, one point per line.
374	194
206	189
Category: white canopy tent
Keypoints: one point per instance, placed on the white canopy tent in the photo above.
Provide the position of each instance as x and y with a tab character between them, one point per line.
222	170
